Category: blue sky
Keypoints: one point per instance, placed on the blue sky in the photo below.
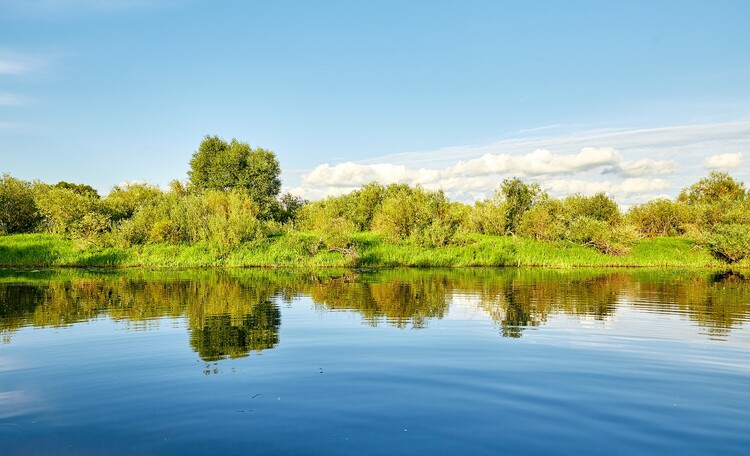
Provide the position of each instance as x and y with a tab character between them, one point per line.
637	99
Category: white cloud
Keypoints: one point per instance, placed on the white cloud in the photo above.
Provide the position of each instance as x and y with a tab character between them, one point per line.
540	162
723	161
563	187
630	167
647	166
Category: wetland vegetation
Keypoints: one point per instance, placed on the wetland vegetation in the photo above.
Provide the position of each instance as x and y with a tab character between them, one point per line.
230	213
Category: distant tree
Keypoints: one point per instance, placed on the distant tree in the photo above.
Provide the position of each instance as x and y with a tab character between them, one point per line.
221	165
598	207
717	186
81	189
519	197
288	207
124	200
67	212
18	211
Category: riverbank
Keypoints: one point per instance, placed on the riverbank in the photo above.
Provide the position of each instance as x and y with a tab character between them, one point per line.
369	251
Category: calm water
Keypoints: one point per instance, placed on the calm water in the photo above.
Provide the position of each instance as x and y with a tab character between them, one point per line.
430	362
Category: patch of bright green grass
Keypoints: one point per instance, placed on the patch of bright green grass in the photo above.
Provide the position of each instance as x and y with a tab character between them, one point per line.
304	250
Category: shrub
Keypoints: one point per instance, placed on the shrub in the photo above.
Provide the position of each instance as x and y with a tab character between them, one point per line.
598	234
519	197
544	221
730	242
717	186
660	217
486	217
224	219
598	207
123	201
18	210
64	211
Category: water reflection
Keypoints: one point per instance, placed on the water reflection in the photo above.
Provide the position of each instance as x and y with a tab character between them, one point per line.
235	313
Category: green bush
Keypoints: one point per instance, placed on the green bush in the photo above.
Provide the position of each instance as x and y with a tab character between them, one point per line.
18	210
123	201
224	219
660	217
598	234
730	242
518	197
64	211
544	222
487	217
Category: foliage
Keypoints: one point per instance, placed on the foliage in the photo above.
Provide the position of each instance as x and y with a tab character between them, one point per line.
221	165
419	215
717	186
730	242
660	217
225	219
124	200
288	207
519	197
544	221
598	207
487	217
18	211
66	211
82	189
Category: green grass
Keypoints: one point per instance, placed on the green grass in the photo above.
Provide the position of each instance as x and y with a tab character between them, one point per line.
301	250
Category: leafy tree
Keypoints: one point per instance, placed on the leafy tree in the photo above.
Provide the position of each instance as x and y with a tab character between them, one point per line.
18	211
288	207
660	217
221	165
65	211
598	207
730	242
711	189
487	217
519	197
545	221
124	200
81	189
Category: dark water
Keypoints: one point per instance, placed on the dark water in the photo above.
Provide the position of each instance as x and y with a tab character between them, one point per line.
398	362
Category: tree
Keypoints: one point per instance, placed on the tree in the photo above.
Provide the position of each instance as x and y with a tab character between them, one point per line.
519	198
18	211
81	189
717	186
221	165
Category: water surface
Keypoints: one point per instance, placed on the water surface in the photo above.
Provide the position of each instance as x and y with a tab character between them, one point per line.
445	362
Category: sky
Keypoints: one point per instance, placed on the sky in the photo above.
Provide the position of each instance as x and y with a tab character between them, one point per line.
637	99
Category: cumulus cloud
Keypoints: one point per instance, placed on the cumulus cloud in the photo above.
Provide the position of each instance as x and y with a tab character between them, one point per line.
723	161
638	185
647	166
540	162
659	162
464	174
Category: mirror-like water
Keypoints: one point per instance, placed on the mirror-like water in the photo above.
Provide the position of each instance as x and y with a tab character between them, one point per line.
404	361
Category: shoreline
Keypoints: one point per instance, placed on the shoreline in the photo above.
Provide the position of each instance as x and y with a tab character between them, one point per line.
44	251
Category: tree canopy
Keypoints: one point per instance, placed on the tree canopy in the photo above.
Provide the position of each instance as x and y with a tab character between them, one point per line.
222	165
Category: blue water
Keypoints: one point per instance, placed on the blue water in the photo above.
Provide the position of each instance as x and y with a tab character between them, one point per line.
482	362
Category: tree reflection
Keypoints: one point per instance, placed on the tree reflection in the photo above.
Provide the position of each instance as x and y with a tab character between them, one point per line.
234	313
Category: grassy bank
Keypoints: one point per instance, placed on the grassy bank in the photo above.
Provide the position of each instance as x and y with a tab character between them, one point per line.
372	251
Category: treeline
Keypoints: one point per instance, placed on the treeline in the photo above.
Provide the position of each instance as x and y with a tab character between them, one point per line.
233	197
